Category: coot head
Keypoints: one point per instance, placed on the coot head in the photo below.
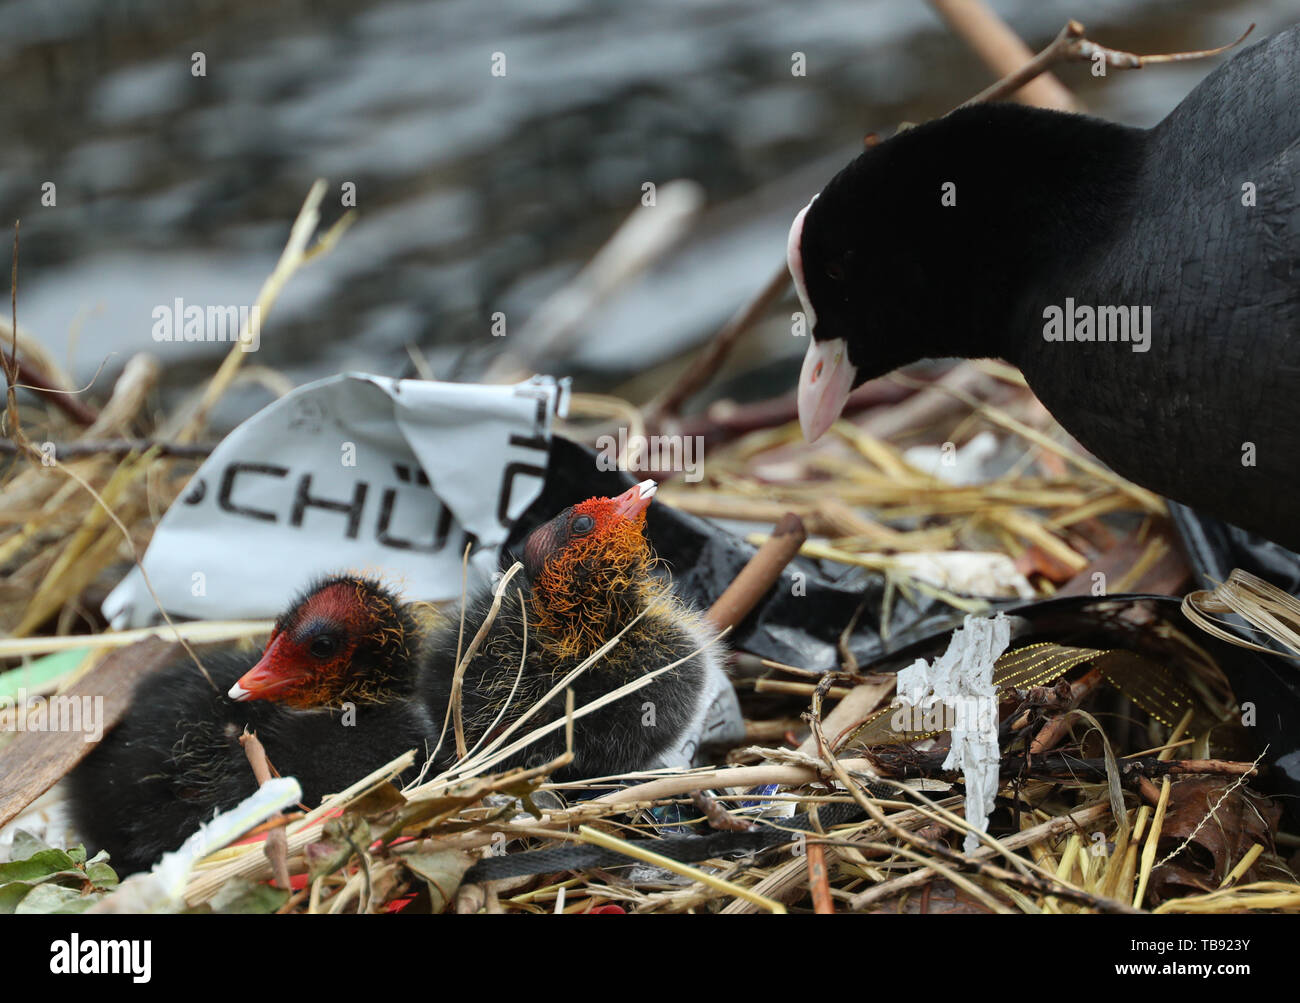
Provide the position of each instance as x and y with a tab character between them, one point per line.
590	569
346	638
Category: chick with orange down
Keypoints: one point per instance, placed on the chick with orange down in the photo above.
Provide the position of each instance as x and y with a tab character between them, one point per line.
330	698
590	575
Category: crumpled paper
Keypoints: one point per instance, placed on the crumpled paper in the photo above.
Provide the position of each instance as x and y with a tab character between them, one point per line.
960	682
353	472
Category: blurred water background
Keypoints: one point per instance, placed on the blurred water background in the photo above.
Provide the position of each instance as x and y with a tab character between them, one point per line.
475	193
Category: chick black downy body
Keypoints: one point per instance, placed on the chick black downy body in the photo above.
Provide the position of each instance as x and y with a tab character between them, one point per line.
175	759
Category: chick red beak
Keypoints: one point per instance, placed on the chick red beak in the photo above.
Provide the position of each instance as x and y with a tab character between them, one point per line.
635	500
266	678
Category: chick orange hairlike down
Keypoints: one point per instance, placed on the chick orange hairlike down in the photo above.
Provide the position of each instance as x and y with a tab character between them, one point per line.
591	584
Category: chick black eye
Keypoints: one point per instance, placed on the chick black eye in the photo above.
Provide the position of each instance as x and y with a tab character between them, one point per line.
835	270
323	646
582	524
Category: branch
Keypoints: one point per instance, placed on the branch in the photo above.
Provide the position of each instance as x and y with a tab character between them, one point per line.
277	843
1071	46
1002	51
117	447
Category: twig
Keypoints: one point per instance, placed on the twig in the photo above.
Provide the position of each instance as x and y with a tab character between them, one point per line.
1212	813
797	689
30	377
818	882
698	374
11	364
759	575
1056	729
1002	51
718	817
903	762
1070	45
727	420
118	447
277	843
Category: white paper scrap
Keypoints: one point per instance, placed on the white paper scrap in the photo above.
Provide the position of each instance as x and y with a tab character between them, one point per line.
353	472
960	685
163	888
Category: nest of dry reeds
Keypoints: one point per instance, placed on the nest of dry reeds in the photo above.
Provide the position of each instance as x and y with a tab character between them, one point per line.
1123	785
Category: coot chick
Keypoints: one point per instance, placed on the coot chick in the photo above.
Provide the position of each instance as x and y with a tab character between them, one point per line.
1146	281
589	575
345	653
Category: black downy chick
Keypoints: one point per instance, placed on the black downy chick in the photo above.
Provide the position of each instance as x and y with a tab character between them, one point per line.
175	758
1014	232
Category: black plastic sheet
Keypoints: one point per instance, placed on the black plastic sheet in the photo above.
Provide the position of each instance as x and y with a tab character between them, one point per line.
804	629
799	621
1215	547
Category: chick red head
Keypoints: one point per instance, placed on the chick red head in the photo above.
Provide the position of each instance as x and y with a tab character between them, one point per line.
589	566
344	638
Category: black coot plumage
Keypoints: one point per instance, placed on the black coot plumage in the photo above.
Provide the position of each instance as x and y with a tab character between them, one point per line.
175	759
589	575
1014	232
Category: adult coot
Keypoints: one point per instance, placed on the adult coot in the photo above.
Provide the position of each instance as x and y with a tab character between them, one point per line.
1146	281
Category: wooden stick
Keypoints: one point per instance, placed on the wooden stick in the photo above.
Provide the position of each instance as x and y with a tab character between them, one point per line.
34	761
1002	51
276	846
118	447
760	574
1050	735
699	373
727	420
818	882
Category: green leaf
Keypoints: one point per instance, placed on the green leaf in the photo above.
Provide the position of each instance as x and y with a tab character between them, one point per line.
39	672
49	898
101	875
239	895
13	893
39	866
26	845
326	856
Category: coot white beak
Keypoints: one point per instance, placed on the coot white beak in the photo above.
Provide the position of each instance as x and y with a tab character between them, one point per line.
824	385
